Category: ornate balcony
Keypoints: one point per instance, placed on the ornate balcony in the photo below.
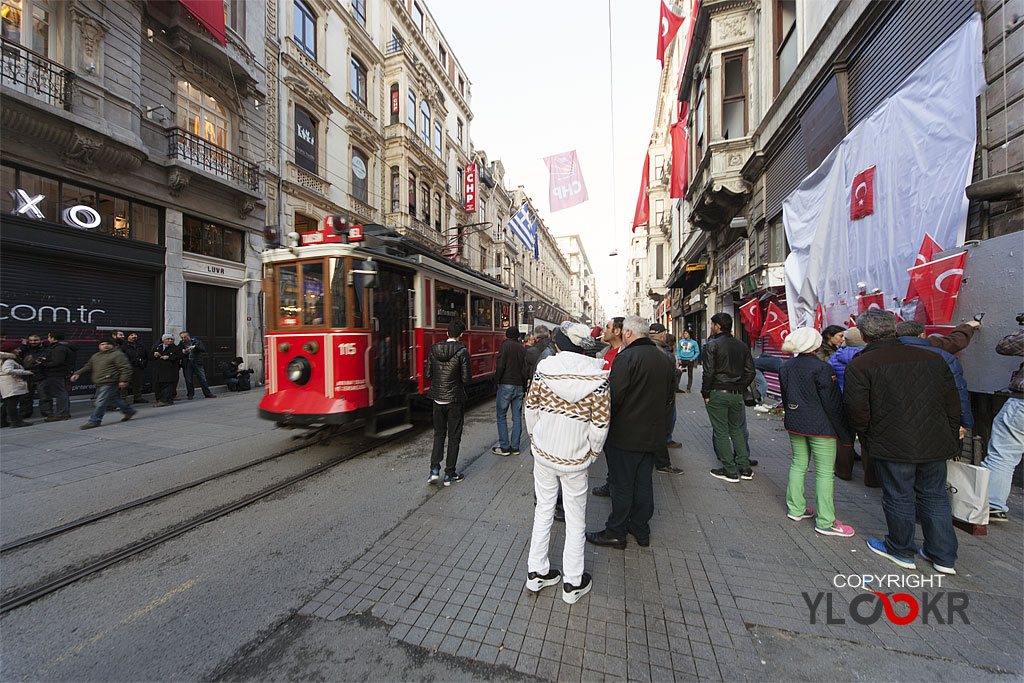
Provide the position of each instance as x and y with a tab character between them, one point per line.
35	75
362	209
307	180
204	155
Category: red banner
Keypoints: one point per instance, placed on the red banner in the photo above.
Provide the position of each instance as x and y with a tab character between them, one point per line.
870	302
929	248
819	317
643	202
667	28
778	333
775	316
209	13
470	188
862	194
938	284
680	140
394	101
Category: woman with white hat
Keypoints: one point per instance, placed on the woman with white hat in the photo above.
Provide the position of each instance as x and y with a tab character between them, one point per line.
816	421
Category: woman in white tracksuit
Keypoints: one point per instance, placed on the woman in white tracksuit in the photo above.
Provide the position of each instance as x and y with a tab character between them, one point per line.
567	414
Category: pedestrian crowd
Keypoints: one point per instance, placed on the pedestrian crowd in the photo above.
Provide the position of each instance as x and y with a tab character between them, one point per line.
36	371
886	385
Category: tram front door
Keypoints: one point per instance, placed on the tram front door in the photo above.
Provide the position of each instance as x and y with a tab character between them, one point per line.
392	352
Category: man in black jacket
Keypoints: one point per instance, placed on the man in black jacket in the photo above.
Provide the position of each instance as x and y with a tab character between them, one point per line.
448	370
138	356
192	352
510	374
728	369
56	364
540	349
641	384
904	401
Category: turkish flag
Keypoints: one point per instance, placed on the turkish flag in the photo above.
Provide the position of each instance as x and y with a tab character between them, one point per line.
680	138
938	283
862	194
778	333
751	315
819	317
775	316
871	302
667	28
643	202
929	248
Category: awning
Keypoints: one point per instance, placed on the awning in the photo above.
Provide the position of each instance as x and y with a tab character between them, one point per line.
209	13
687	277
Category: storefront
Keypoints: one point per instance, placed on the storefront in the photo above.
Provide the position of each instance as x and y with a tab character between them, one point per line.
79	260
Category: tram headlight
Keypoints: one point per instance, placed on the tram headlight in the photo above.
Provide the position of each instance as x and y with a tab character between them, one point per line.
298	371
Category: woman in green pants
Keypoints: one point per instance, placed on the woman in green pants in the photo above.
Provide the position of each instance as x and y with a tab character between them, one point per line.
816	421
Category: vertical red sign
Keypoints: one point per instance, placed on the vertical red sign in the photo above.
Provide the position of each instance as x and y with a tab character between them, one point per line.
470	188
394	101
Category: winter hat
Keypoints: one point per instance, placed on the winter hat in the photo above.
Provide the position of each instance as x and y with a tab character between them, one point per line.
853	337
802	340
9	346
596	331
575	337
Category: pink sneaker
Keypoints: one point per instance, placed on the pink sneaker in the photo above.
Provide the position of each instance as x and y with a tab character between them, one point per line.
837	529
808	514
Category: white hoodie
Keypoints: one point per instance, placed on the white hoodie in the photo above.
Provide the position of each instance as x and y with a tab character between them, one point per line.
567	411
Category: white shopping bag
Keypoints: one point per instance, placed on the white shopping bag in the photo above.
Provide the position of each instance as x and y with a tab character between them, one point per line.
967	487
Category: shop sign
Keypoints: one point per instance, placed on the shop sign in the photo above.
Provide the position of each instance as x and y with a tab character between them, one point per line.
470	188
731	267
305	141
78	216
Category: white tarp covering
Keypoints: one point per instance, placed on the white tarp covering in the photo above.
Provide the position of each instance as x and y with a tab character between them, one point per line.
921	142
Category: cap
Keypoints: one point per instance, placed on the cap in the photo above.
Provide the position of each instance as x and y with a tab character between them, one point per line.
9	346
657	328
575	337
853	337
802	340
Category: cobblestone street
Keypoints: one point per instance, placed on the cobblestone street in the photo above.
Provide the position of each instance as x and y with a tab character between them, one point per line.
724	575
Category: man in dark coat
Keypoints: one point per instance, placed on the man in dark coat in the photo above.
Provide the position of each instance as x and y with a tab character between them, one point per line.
139	359
641	384
31	351
728	369
166	361
912	333
510	374
56	365
662	463
540	349
448	370
192	356
904	401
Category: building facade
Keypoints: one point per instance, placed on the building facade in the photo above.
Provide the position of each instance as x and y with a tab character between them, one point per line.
545	283
582	301
132	174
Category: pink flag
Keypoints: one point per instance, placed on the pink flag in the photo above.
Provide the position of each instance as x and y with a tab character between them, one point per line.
566	187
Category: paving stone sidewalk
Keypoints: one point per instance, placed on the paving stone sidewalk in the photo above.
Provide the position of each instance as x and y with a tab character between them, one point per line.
725	566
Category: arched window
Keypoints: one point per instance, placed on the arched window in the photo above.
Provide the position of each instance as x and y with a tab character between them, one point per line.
425	199
394	102
411	114
203	115
396	200
358	80
412	194
425	122
437	212
437	138
359	176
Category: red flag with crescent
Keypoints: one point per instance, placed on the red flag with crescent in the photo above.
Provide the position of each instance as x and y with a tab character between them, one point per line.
819	317
667	28
871	302
774	316
643	202
862	194
929	248
938	284
779	333
751	315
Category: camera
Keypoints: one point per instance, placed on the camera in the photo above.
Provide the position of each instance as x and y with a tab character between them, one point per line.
1020	319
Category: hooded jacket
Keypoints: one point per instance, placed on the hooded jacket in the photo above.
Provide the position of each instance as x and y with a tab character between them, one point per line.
13	377
841	358
966	416
107	367
448	370
567	411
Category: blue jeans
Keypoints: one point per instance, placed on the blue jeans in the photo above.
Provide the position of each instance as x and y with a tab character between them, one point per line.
189	367
510	395
105	395
1004	451
909	488
762	385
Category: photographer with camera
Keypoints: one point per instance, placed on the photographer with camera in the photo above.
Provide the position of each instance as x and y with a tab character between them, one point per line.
235	378
1007	440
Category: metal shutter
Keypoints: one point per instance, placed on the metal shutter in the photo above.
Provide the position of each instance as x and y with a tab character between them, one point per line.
784	172
897	46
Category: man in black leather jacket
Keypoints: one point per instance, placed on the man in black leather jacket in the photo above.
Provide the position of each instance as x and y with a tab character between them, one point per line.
448	370
728	369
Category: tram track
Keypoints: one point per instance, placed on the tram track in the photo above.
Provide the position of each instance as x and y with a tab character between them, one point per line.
22	597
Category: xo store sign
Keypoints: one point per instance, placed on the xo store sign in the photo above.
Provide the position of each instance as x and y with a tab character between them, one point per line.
78	216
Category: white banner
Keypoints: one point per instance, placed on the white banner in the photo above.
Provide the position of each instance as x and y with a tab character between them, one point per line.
862	214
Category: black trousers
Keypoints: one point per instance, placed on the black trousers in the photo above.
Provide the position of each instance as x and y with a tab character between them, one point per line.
11	415
630	482
165	391
688	369
448	421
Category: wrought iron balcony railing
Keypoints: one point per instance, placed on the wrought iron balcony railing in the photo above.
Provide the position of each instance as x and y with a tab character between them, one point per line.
35	75
194	150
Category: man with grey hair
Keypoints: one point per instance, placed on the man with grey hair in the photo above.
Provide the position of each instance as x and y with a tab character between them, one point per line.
641	385
903	399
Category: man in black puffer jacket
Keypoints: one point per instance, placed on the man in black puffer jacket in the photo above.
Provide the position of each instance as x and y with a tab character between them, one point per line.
448	370
728	369
903	399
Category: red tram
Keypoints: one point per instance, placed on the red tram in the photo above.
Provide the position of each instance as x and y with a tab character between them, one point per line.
349	323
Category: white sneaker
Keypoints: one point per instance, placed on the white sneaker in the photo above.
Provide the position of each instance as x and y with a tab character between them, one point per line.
570	594
762	409
535	581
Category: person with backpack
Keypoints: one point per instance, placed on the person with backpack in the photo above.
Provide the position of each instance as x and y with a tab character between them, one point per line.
56	364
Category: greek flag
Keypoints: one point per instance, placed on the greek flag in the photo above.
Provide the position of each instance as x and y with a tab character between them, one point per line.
525	229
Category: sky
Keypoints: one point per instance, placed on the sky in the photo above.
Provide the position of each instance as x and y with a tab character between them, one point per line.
540	86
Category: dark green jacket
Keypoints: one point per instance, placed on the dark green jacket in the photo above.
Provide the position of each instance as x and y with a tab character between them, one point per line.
107	367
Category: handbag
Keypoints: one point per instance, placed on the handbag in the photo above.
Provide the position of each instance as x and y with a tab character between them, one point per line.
751	396
967	488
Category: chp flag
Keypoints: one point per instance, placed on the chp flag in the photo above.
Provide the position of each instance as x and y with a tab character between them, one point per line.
525	229
565	186
858	216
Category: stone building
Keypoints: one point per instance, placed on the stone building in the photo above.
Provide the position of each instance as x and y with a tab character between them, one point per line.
545	284
132	173
583	305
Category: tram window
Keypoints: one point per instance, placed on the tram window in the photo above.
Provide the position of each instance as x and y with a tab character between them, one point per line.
338	293
502	320
481	312
451	304
288	296
359	318
312	293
